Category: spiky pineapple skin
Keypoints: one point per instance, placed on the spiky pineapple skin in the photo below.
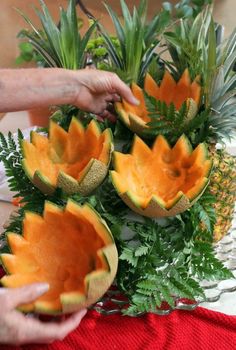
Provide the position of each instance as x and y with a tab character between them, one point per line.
223	187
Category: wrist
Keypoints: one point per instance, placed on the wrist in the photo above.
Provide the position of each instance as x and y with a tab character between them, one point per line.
77	80
65	86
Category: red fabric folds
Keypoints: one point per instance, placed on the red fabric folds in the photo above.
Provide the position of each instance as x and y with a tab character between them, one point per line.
190	330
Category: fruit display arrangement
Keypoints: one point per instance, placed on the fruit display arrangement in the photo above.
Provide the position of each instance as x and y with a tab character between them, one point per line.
134	204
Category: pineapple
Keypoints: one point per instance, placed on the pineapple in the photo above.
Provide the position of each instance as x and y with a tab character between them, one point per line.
192	43
195	44
214	61
222	121
223	186
59	45
161	262
137	40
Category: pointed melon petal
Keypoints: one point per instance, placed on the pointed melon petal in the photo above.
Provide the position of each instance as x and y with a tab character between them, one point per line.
151	87
167	88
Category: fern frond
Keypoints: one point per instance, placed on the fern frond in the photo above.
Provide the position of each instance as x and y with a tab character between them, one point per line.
172	123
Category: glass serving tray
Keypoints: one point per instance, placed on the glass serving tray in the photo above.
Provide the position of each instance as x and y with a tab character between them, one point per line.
219	295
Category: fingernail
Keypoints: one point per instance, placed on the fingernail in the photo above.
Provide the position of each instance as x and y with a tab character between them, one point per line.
135	101
42	288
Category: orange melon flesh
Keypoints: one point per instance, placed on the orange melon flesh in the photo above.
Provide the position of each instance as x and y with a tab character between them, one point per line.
61	248
151	87
68	153
169	91
178	93
183	89
138	93
58	138
139	110
162	172
106	140
76	141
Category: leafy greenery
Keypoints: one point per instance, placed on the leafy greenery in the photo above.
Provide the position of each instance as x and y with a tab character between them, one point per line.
190	45
197	44
222	90
97	50
28	53
162	262
172	123
60	46
31	197
95	47
186	8
137	39
159	261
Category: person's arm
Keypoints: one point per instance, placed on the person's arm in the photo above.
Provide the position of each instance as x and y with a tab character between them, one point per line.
17	328
87	89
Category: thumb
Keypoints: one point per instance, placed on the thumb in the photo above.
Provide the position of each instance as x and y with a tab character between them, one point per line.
26	294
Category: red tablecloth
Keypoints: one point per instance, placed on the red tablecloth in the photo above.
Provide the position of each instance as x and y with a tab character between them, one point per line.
198	329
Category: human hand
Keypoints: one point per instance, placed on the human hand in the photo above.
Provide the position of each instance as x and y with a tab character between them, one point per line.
96	89
17	328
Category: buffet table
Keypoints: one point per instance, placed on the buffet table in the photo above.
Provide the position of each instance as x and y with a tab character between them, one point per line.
201	328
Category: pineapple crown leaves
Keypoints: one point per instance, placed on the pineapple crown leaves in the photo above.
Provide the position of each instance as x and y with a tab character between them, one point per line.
196	44
222	91
189	44
137	40
60	45
222	87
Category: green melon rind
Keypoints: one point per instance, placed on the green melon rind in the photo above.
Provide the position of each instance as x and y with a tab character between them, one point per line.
97	284
138	126
111	144
208	175
202	190
26	170
41	308
39	180
192	109
94	173
205	148
43	183
134	123
187	143
155	208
